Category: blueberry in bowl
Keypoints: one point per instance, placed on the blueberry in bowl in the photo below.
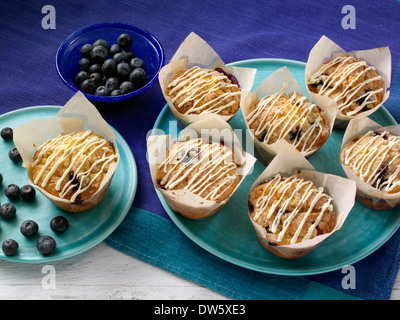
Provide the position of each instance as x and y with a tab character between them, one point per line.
92	50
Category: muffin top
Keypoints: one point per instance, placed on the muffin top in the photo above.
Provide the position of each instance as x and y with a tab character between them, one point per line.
375	159
72	166
291	209
205	168
199	91
290	117
351	83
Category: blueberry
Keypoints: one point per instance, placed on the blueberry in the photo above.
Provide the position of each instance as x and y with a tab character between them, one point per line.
8	211
138	77
46	245
98	54
123	71
12	191
14	155
7	133
59	224
81	76
115	48
102	91
27	192
29	228
89	86
95	67
112	83
101	42
9	247
124	40
84	64
120	57
109	67
1	178
100	79
137	63
115	93
126	87
85	50
129	54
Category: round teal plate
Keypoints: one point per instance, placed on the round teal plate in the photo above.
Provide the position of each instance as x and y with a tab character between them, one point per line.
86	229
229	234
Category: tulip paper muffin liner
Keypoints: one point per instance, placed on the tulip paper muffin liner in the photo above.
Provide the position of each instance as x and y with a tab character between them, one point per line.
291	162
194	51
366	194
325	49
77	114
183	201
279	81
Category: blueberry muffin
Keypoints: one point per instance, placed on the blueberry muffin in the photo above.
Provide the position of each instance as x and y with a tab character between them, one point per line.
204	91
290	117
205	168
72	166
351	83
291	209
375	158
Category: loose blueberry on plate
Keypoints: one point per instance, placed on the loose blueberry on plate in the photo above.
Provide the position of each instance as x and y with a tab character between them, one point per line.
81	76
1	178
137	63
124	40
112	83
10	247
27	192
59	224
101	42
98	54
7	133
12	191
126	87
8	211
109	67
14	155
123	71
29	228
89	86
85	50
102	91
138	77
46	245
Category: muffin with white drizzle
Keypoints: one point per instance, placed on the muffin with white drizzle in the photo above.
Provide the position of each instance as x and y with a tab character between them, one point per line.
207	169
291	209
374	157
354	85
290	117
204	91
72	166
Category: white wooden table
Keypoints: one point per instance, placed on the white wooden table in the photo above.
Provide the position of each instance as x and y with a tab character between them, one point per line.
102	273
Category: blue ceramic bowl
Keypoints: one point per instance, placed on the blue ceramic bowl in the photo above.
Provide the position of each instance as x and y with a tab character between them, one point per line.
144	45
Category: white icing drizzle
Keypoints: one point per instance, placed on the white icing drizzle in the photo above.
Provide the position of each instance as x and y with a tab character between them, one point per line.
72	148
374	152
280	190
200	83
336	78
292	119
213	161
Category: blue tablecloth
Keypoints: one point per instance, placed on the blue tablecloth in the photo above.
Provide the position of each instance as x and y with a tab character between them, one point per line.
237	30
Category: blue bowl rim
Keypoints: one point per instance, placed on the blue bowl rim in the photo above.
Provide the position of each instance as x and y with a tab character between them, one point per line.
141	31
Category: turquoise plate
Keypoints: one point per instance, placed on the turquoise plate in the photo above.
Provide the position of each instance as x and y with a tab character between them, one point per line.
229	234
86	229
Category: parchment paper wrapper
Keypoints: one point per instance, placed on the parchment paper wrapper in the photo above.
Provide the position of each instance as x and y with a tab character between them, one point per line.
325	49
366	194
184	201
342	190
77	114
271	85
194	51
